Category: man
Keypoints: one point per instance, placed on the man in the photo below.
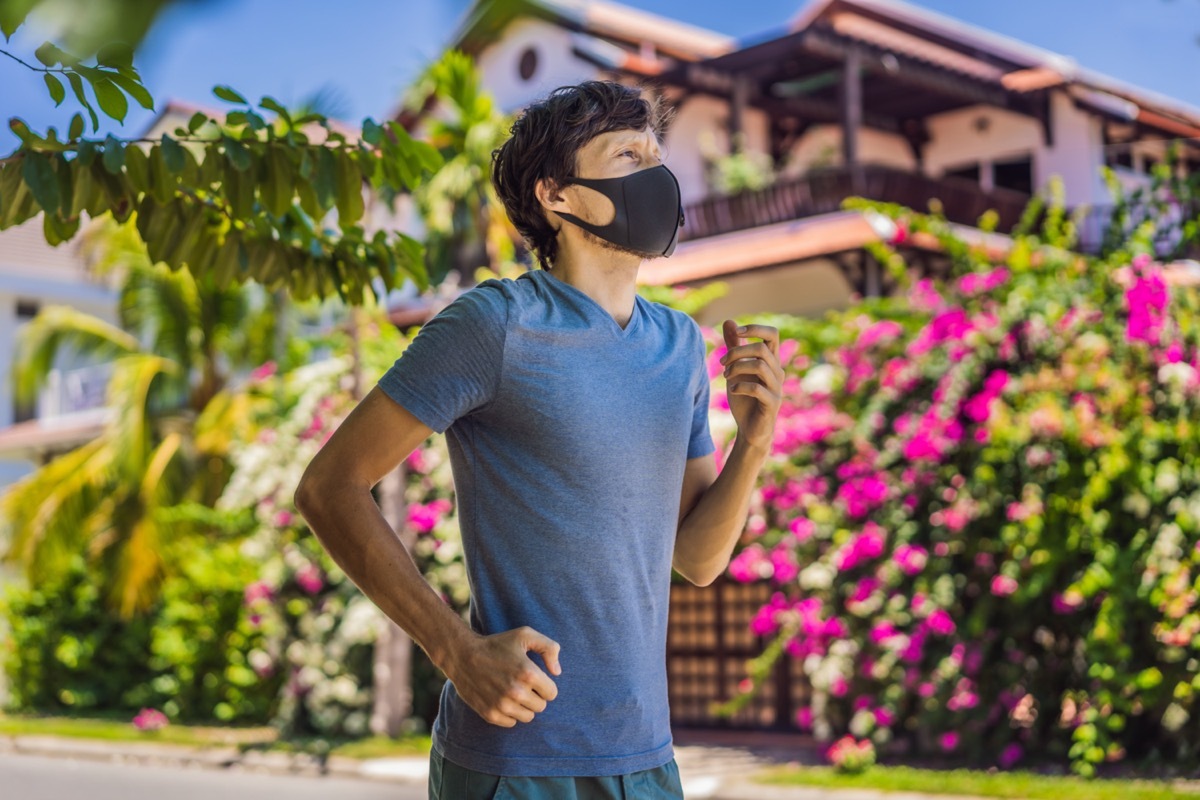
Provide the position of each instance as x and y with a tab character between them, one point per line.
576	415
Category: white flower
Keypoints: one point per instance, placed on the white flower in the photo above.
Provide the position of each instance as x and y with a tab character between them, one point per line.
1175	717
816	576
819	379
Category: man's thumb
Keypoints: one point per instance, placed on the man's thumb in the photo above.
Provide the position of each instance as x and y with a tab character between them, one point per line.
548	649
729	331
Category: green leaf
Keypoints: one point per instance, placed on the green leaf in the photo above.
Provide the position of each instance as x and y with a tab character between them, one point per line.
77	87
115	54
48	54
197	121
86	152
325	179
111	99
114	154
173	155
134	89
349	189
237	153
372	132
76	128
228	94
57	230
137	167
18	126
238	187
271	104
39	175
278	187
57	92
162	184
84	189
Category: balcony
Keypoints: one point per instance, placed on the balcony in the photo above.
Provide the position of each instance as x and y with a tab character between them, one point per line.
821	191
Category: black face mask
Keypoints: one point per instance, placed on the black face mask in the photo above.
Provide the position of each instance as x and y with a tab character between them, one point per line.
648	210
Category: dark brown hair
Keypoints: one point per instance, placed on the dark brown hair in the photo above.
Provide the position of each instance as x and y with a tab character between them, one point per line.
545	140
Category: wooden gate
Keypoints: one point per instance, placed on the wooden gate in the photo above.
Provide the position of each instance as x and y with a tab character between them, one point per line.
708	643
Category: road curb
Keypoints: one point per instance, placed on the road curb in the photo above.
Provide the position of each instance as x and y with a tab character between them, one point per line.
400	770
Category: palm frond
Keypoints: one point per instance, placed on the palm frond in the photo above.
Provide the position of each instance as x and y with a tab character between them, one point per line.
46	513
50	332
129	392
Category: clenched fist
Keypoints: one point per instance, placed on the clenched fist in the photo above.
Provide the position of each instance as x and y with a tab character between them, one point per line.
495	676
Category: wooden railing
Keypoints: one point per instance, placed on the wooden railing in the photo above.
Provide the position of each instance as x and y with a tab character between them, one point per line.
821	191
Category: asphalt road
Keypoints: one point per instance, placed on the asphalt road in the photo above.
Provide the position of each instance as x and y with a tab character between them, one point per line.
42	778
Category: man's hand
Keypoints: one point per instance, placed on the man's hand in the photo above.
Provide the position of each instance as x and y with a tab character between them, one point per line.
496	678
754	381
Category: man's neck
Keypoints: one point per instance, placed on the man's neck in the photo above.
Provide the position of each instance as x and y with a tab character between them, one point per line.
607	276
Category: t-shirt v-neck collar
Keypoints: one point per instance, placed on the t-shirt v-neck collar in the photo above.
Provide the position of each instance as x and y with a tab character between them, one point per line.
630	326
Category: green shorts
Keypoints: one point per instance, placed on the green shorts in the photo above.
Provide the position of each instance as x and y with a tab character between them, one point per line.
449	781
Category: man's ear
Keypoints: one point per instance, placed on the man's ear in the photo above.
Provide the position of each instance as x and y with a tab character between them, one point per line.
550	196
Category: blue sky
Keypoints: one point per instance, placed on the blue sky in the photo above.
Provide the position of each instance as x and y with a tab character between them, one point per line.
368	50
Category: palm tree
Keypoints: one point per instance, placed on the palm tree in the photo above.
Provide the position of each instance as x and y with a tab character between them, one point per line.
178	344
465	223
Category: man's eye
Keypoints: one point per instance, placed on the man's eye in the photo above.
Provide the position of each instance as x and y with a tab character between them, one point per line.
628	153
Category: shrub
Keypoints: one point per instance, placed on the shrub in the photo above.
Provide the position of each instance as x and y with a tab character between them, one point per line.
982	511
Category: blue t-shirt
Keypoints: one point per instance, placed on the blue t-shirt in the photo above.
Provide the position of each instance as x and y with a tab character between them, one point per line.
568	436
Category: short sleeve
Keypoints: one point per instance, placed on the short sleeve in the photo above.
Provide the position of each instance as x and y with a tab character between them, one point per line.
452	366
701	442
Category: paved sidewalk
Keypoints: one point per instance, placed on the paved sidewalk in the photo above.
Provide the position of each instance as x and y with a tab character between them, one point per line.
713	765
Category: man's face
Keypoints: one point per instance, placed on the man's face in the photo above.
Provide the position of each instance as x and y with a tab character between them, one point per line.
611	155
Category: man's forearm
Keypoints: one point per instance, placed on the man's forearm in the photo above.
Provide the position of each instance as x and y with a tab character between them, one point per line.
352	529
708	533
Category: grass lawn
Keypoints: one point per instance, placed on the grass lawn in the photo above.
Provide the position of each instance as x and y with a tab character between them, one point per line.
1024	785
260	738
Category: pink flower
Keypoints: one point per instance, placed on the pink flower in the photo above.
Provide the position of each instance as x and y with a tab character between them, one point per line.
309	578
862	494
783	561
263	372
1066	603
283	519
751	564
864	546
910	558
1146	301
940	622
803	529
882	631
883	717
416	460
839	687
1003	586
259	590
424	518
1010	755
949	741
150	719
804	719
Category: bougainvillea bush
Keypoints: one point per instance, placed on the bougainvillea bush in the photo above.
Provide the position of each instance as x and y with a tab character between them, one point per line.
982	512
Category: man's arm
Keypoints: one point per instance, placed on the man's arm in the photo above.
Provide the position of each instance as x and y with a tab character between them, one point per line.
493	674
713	508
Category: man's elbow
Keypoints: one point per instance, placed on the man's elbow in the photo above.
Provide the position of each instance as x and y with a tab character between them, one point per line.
699	575
306	494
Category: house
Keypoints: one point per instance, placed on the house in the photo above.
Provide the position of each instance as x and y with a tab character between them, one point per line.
876	98
69	411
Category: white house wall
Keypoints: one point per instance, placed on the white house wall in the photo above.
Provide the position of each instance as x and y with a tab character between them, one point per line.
700	127
821	145
557	65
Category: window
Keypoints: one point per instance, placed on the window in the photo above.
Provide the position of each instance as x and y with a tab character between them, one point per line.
1016	174
528	64
26	310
